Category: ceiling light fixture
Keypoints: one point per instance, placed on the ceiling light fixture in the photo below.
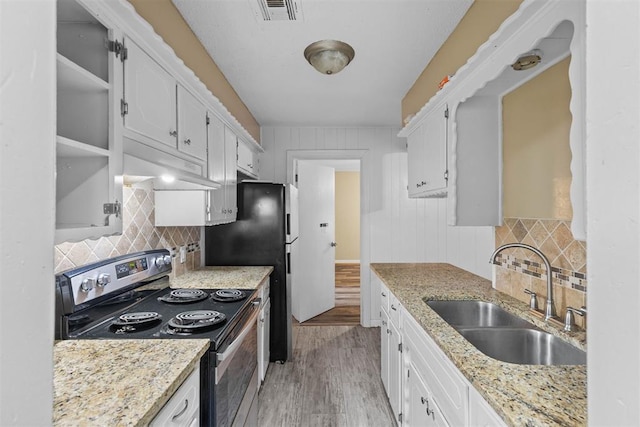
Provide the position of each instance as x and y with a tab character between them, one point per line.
528	60
329	56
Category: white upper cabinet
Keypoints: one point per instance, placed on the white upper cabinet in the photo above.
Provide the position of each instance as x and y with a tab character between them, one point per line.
231	174
88	148
192	125
158	109
150	95
222	168
427	149
474	95
128	105
248	160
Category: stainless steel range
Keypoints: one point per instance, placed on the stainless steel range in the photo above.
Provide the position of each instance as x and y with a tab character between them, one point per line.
128	297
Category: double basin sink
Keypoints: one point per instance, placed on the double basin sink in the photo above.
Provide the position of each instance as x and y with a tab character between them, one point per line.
504	336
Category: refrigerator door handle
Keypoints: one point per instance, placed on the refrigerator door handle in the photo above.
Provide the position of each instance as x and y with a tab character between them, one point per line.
288	262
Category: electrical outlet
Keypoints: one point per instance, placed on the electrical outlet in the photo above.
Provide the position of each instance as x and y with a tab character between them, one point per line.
183	254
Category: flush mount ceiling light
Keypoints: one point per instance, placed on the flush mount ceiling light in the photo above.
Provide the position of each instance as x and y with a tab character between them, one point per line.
528	60
329	56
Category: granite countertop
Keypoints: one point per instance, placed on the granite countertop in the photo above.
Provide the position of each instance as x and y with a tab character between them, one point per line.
222	277
523	395
119	382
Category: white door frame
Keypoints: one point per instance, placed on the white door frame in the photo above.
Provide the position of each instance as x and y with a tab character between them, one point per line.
362	155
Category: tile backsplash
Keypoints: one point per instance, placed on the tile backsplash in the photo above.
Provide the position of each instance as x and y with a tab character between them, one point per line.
138	234
519	268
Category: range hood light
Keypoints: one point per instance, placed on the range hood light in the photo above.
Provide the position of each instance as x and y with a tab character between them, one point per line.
168	178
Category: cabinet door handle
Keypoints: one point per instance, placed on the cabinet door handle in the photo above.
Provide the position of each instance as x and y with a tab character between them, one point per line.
187	141
179	414
383	294
173	132
393	307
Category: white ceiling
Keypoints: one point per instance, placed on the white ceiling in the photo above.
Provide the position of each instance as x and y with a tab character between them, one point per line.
394	41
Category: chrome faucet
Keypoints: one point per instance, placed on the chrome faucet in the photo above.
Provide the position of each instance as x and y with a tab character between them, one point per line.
550	310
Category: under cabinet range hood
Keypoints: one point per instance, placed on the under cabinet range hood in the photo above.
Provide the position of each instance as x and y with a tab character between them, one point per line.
168	172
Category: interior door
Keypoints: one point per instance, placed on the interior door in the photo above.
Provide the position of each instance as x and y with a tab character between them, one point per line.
313	288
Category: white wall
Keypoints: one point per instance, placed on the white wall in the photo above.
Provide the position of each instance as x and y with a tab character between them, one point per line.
394	227
613	215
27	192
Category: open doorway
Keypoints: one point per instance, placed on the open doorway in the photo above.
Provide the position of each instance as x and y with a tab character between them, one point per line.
347	266
344	224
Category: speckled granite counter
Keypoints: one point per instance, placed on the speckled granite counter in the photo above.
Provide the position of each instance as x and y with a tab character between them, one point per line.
119	382
524	395
222	277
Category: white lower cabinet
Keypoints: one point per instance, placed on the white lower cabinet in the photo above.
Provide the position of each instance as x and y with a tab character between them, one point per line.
447	385
420	408
384	350
264	320
424	387
395	371
480	413
183	409
391	361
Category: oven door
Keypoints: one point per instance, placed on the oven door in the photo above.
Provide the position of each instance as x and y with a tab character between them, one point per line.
236	375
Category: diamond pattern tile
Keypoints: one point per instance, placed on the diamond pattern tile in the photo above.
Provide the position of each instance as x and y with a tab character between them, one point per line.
553	237
139	233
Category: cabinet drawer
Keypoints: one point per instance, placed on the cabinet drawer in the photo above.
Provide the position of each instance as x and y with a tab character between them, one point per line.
449	389
183	409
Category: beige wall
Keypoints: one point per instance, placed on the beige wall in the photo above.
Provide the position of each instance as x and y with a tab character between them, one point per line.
481	20
347	216
169	24
536	153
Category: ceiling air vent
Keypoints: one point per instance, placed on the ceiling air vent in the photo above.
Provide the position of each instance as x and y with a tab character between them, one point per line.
279	10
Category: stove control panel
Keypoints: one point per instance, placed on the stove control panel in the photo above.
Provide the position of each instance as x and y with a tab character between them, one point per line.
163	261
103	280
114	275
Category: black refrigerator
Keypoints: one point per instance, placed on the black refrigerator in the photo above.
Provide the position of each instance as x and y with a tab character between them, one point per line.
260	236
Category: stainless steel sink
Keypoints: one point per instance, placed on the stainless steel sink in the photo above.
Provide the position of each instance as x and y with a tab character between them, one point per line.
505	336
462	313
524	346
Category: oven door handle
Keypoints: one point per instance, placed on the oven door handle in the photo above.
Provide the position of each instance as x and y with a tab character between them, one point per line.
224	358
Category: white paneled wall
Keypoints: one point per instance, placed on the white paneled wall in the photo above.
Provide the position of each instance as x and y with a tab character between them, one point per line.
394	227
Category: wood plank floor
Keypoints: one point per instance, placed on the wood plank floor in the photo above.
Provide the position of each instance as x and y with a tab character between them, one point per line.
333	380
347	309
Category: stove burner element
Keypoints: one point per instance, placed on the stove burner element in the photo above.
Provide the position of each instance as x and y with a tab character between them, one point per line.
132	322
228	295
190	322
183	296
